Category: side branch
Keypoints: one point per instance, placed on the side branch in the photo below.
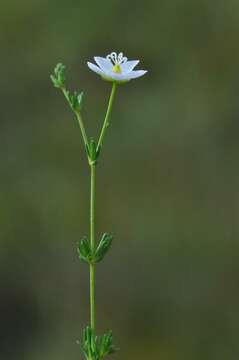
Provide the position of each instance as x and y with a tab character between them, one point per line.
73	100
107	118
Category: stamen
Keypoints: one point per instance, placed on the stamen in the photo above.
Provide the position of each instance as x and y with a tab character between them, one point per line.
112	57
120	57
117	59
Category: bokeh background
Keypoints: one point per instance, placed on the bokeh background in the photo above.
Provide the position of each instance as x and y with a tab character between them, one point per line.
167	182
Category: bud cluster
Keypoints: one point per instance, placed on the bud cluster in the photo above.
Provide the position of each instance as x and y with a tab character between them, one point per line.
59	79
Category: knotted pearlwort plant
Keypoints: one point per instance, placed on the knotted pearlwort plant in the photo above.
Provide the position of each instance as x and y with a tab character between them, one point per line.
118	70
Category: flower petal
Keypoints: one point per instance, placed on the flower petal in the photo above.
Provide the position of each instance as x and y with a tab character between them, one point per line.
115	76
128	66
104	63
95	68
135	74
111	75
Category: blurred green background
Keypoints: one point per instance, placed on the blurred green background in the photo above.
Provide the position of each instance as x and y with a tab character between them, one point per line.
167	182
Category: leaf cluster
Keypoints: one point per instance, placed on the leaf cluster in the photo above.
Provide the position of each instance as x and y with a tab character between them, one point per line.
58	78
92	152
75	100
90	256
96	347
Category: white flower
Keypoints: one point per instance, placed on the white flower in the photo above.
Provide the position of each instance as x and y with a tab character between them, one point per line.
116	68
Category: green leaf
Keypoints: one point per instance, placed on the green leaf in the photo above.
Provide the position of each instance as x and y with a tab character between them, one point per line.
105	346
103	247
91	152
88	344
75	100
98	151
58	78
80	99
54	80
84	250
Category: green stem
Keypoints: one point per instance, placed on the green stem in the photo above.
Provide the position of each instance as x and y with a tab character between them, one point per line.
92	204
80	121
92	244
79	118
107	117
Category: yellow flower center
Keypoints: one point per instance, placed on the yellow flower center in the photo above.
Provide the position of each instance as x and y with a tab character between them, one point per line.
117	69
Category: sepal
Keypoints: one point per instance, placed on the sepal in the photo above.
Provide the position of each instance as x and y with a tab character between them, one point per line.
103	247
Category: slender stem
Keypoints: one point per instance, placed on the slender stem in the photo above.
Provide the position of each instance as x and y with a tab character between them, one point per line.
79	118
107	117
92	194
80	121
92	205
92	244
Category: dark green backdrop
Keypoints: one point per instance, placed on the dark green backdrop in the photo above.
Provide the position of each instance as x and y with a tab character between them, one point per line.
167	182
